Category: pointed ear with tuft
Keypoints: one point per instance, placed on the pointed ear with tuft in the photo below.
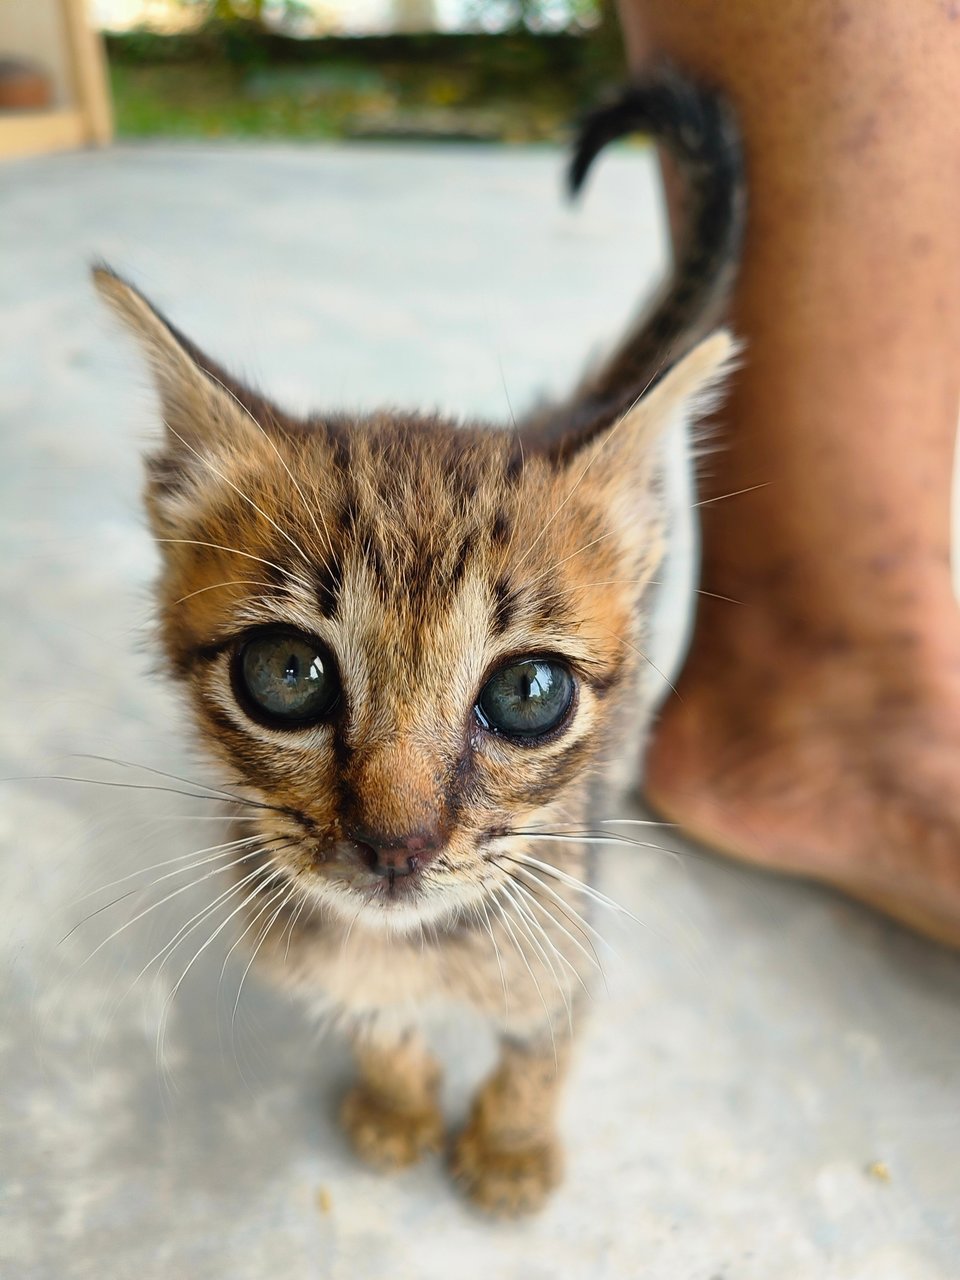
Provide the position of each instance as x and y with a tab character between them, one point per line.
209	418
203	408
621	458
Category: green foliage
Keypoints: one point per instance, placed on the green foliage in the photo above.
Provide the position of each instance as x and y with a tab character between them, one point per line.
228	12
238	80
194	100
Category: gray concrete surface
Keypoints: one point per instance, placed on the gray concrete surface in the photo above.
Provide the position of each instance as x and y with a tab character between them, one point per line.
771	1087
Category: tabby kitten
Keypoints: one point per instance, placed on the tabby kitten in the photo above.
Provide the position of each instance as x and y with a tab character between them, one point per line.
415	647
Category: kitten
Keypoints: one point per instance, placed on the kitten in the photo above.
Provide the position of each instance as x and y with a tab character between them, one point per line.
415	648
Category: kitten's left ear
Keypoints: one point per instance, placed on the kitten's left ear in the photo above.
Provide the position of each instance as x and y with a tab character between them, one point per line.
619	459
204	410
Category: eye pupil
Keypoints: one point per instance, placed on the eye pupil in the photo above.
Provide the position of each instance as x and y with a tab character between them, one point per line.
285	679
527	699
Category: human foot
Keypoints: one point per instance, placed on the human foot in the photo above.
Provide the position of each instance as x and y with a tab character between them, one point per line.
823	761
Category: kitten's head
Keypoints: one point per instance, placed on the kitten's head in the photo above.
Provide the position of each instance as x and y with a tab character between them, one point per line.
405	638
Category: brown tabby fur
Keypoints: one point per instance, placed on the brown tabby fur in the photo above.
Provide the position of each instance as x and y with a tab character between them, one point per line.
423	554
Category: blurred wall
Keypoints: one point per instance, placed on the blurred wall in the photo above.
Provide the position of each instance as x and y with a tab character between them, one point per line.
35	29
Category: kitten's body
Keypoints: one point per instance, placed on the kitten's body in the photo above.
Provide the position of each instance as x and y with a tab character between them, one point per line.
411	850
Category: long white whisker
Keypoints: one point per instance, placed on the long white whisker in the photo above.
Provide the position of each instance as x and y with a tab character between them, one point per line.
527	922
155	905
216	586
273	444
640	654
177	985
142	889
586	837
706	502
245	496
504	916
591	959
132	786
557	563
205	817
496	952
635	822
588	890
594	455
264	870
596	896
226	960
579	921
294	917
205	912
224	850
235	551
285	890
654	582
349	930
215	792
716	595
290	891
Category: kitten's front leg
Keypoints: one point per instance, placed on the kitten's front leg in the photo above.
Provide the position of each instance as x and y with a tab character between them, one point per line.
509	1157
392	1115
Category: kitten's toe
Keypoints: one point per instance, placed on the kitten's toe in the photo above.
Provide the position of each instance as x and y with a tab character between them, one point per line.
505	1182
385	1137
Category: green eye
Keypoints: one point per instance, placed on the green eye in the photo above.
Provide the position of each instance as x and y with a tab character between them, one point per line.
527	699
285	679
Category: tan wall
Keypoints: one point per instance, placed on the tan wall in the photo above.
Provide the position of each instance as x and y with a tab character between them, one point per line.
57	35
35	29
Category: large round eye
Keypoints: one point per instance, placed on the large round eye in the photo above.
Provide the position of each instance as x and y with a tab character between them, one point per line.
285	678
527	699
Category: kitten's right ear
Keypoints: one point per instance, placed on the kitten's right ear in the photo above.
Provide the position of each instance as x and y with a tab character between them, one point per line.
203	410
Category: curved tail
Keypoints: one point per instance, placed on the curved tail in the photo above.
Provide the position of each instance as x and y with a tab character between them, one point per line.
698	129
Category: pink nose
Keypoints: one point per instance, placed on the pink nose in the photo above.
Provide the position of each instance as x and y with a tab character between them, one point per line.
391	855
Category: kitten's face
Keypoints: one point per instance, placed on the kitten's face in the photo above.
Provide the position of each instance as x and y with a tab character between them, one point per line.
406	638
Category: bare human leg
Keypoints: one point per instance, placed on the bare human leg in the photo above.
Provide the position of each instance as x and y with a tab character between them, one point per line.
818	725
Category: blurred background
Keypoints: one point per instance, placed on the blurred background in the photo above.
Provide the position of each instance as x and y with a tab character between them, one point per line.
482	70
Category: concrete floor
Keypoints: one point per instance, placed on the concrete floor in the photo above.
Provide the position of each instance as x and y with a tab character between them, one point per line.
771	1087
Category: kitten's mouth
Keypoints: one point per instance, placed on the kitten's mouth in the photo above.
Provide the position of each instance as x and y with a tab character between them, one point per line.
343	880
392	887
348	866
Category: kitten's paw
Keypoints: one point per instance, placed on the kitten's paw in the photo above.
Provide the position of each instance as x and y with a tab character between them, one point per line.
501	1181
386	1138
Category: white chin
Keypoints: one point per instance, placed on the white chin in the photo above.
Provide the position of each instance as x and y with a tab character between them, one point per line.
404	916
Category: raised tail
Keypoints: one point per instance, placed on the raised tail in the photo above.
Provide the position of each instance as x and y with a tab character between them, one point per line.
698	129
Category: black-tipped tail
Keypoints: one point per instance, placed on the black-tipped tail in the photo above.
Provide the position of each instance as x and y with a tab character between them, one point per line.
697	127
